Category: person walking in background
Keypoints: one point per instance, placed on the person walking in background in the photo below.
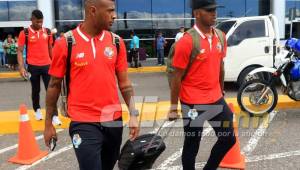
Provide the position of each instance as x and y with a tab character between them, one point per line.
135	41
98	69
201	90
179	34
134	47
2	54
160	49
39	54
25	57
11	52
16	41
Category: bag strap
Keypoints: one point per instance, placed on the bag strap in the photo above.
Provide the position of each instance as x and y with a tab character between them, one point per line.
195	50
221	37
49	34
116	41
70	42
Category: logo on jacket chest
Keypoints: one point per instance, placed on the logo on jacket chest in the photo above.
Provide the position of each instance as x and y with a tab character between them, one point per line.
80	60
33	38
108	52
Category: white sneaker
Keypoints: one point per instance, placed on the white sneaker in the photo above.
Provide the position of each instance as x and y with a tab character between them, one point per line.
38	115
56	121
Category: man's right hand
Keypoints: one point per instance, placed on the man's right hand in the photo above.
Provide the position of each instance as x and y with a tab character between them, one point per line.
49	133
22	71
173	114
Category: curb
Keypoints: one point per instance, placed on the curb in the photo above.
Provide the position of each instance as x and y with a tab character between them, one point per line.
7	75
9	120
155	69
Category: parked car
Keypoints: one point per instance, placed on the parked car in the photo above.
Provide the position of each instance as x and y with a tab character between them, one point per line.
252	42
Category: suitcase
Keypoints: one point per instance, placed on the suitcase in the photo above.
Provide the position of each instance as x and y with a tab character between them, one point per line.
141	153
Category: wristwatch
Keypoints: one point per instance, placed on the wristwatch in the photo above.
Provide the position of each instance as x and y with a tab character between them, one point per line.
134	112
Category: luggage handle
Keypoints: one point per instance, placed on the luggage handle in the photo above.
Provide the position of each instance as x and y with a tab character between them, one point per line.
153	138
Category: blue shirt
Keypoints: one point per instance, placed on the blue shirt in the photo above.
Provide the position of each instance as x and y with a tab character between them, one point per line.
160	43
135	41
1	47
24	51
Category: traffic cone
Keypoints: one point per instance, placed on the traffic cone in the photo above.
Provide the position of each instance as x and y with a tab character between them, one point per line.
234	159
28	150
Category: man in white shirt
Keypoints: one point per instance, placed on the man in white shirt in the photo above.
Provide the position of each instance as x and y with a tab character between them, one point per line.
179	34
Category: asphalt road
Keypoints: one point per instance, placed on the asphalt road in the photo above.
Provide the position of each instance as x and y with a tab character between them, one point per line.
273	144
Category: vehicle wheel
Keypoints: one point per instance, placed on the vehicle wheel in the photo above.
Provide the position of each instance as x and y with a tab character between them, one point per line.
242	77
251	99
261	76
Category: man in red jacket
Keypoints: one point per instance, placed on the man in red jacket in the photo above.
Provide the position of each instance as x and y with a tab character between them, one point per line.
201	91
93	103
39	54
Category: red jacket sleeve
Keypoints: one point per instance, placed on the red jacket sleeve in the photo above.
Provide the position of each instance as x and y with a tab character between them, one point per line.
59	57
21	39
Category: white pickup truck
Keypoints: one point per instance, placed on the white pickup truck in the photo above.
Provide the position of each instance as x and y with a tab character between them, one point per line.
252	42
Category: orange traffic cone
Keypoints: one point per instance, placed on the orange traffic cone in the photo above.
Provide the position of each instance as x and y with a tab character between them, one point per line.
234	159
28	150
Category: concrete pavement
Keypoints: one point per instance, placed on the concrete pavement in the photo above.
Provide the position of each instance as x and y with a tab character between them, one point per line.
270	143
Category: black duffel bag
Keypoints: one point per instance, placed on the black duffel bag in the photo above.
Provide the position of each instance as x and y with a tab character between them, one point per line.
141	153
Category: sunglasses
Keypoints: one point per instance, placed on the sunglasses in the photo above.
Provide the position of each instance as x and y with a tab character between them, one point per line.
210	10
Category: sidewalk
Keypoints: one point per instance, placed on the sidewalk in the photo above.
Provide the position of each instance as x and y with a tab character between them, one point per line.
148	66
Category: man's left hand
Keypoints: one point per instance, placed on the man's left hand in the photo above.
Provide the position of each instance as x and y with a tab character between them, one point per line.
134	127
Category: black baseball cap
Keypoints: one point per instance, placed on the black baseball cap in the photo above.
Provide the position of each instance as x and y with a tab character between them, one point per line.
204	4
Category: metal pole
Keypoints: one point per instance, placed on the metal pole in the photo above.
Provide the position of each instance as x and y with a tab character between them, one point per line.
8	14
245	13
291	29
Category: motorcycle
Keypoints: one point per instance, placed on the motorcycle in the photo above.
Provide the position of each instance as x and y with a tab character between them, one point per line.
258	96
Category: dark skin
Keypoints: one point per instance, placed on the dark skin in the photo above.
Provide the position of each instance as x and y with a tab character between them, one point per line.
36	24
100	15
204	21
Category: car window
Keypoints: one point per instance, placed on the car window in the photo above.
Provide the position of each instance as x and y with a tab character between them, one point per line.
225	26
248	29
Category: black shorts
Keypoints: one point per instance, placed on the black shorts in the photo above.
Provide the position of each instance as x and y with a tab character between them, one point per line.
96	145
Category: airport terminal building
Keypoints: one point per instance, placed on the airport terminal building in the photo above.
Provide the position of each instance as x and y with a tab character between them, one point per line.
146	17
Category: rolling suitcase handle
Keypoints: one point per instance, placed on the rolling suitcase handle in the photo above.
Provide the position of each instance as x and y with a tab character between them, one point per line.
163	138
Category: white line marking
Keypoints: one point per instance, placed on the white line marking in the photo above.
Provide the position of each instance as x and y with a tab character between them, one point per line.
252	143
51	155
272	156
170	160
68	147
16	145
248	159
